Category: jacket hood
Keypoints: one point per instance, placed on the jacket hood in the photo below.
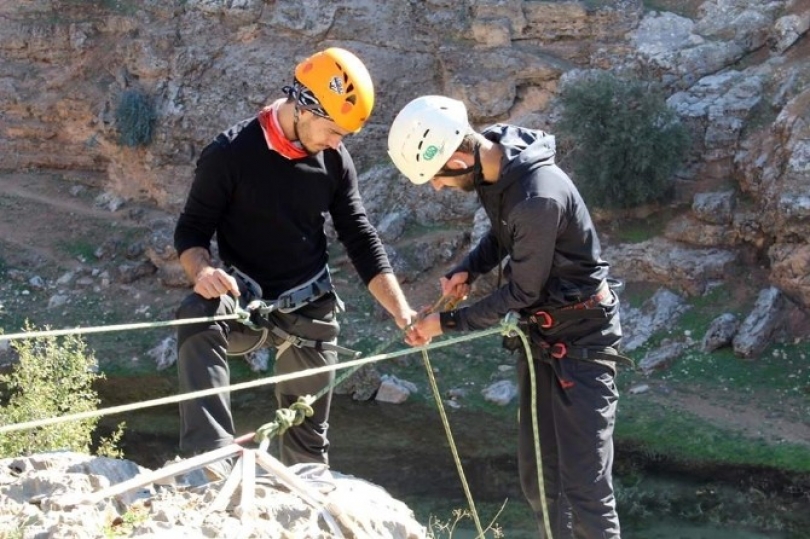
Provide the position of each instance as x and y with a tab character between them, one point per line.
523	151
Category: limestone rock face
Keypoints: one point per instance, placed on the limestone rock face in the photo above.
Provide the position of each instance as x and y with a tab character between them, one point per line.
733	70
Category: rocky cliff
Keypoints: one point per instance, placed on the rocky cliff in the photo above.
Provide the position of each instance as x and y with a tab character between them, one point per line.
737	72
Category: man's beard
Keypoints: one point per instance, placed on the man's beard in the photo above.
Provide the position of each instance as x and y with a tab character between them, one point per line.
466	183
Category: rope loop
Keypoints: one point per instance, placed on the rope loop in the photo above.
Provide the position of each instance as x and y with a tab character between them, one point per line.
286	418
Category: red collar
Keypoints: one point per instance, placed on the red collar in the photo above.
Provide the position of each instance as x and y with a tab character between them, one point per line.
274	136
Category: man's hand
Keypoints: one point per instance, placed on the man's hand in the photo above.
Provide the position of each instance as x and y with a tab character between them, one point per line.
212	283
456	286
423	330
406	318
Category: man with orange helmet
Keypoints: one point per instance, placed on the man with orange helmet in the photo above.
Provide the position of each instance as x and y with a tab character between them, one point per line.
264	187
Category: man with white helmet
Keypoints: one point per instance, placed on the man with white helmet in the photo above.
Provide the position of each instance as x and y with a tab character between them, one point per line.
264	187
555	279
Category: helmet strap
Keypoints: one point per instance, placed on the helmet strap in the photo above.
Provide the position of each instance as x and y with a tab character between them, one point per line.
295	121
475	169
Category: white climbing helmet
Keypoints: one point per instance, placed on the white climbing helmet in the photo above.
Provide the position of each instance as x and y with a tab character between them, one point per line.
425	134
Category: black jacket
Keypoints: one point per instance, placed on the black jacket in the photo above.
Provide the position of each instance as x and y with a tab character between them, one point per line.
540	221
268	212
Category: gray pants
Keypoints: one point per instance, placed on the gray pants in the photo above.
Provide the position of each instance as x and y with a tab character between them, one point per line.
203	349
576	439
576	419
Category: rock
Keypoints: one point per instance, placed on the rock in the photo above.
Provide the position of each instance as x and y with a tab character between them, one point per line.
500	393
670	264
362	385
761	323
39	495
661	311
638	389
720	333
393	390
662	357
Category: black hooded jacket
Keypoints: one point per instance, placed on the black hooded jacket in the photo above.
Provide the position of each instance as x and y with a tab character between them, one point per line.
540	221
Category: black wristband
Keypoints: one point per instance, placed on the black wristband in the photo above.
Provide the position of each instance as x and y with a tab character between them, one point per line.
447	319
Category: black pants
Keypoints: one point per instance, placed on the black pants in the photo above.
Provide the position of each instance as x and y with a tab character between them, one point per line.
576	420
202	360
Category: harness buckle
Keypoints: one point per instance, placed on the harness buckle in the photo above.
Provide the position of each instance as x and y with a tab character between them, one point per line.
295	340
284	303
543	319
558	350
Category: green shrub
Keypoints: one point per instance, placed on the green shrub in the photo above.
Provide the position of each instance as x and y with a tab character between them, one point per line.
52	379
627	143
135	119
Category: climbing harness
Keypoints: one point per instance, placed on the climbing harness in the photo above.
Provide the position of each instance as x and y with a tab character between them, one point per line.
546	322
548	318
256	315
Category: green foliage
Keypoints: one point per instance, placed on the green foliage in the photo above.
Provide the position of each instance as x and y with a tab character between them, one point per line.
80	249
52	378
136	514
108	445
627	142
135	119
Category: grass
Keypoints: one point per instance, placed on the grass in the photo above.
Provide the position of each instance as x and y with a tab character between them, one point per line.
508	518
660	433
82	250
638	230
777	382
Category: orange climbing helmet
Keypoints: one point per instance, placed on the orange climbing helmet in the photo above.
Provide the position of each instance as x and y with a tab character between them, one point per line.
341	84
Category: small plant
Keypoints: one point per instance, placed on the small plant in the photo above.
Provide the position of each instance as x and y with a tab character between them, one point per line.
52	378
627	142
135	119
122	526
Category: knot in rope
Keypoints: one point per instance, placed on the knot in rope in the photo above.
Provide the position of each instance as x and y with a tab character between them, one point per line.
286	418
510	323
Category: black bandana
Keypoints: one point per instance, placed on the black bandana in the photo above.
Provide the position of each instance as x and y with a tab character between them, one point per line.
305	98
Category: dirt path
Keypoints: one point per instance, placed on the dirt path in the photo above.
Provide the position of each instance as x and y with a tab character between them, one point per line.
43	216
744	417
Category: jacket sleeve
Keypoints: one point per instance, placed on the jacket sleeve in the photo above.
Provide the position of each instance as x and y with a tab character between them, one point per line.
354	230
207	199
485	256
535	225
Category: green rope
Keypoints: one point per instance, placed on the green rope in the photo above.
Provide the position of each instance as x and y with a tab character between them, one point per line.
535	428
119	327
275	427
286	418
443	414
